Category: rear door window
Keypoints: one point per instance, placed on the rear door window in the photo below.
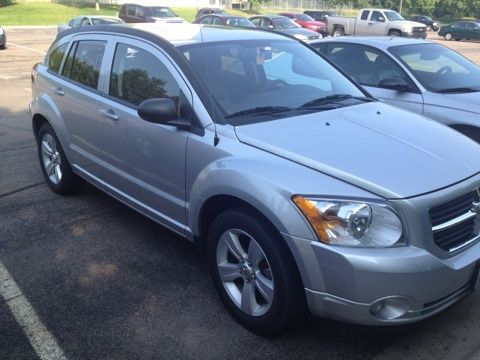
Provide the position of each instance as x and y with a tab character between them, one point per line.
84	61
365	15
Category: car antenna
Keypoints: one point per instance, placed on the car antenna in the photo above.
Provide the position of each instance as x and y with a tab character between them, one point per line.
216	139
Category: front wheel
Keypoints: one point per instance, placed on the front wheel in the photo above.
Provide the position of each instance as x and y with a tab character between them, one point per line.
254	272
54	163
448	36
394	33
338	32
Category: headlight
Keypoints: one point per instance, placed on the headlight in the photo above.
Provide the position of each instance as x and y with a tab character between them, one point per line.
301	37
1	31
351	223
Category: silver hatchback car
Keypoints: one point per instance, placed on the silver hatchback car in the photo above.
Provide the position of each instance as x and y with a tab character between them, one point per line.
305	192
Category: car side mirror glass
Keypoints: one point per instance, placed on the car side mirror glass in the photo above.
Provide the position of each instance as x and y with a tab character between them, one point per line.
395	83
270	27
381	19
158	110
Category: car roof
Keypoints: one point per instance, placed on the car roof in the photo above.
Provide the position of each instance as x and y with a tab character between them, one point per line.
180	34
380	42
225	16
269	16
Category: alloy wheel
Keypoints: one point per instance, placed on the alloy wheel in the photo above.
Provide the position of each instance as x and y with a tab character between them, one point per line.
245	272
52	161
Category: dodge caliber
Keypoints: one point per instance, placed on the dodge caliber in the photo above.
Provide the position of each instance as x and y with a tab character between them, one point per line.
304	191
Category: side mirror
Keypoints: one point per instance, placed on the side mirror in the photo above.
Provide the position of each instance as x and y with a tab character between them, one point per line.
270	27
158	110
395	83
381	19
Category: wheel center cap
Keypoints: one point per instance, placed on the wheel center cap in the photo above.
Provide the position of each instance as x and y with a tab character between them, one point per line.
246	272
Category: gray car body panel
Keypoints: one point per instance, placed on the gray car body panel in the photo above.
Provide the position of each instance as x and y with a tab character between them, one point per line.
366	152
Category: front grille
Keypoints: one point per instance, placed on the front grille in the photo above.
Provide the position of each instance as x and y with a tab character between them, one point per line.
454	223
418	29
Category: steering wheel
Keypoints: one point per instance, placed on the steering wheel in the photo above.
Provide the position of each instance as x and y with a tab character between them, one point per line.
444	70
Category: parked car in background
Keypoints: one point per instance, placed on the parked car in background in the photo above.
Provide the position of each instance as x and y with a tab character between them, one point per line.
320	15
459	30
375	22
3	38
208	11
303	190
284	25
134	13
427	20
417	75
307	22
224	19
87	20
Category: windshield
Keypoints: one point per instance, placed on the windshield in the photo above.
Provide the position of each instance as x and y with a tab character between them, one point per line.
284	23
240	22
303	17
259	80
393	15
438	68
161	12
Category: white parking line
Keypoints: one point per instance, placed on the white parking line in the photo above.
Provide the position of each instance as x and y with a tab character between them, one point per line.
27	48
40	338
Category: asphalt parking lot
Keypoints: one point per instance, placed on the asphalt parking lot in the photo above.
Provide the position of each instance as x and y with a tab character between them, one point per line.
93	279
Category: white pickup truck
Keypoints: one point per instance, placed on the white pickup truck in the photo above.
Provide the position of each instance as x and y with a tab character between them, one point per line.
375	22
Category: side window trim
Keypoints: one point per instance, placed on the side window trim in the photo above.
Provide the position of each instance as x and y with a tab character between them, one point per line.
47	63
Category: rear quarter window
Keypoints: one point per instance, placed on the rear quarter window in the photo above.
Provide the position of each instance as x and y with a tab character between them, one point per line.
56	57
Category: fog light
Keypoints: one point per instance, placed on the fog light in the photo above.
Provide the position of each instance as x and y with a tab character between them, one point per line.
390	308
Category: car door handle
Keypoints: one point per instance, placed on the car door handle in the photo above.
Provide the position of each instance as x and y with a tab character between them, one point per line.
109	114
58	91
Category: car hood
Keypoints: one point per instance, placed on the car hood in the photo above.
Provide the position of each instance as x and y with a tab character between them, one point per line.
298	31
314	23
469	102
411	23
390	152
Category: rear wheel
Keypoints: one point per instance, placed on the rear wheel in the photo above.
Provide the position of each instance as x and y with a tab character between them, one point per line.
448	36
54	163
254	272
338	32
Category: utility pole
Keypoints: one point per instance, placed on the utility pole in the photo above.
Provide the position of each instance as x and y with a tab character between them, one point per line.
400	11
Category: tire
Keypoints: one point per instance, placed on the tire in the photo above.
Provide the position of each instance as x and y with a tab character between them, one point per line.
260	283
338	32
394	33
458	39
448	36
55	167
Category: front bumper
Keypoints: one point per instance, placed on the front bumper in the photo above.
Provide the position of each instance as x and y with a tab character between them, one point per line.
382	286
415	34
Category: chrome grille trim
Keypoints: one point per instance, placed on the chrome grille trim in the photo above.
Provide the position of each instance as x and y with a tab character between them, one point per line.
456	223
467	216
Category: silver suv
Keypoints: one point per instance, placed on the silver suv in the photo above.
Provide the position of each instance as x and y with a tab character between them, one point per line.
305	192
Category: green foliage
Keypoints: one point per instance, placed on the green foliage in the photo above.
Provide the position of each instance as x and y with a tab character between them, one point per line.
5	2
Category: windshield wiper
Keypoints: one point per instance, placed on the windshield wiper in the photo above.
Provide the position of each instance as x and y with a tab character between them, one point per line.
260	110
331	99
457	90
